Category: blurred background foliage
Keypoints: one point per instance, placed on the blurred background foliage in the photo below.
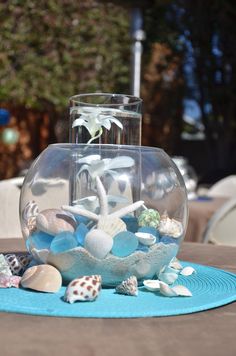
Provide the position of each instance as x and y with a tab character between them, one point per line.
50	50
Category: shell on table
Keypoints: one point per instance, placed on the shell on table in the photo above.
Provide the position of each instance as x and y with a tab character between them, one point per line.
170	227
7	281
153	285
112	226
86	288
128	286
43	278
54	221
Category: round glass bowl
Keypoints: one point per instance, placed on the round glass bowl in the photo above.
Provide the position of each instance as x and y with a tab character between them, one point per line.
110	210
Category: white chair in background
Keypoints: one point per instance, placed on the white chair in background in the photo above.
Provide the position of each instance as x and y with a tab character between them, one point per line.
221	228
9	208
225	187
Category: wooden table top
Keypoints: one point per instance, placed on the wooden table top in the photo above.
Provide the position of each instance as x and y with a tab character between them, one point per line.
205	333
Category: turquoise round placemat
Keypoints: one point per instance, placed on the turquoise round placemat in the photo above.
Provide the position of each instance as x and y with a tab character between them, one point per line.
210	287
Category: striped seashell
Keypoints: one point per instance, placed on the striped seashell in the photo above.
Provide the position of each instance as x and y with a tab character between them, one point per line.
86	288
9	281
112	226
128	287
15	265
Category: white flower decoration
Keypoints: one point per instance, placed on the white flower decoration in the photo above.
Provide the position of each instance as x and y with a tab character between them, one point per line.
94	119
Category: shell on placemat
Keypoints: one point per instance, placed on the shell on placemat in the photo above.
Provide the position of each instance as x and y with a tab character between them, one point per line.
15	263
152	285
43	278
7	281
111	226
4	266
54	221
128	287
86	288
29	214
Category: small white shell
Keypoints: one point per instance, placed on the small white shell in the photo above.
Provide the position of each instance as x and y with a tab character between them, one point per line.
168	278
176	291
170	227
86	288
153	285
187	271
146	238
112	226
174	263
98	243
182	291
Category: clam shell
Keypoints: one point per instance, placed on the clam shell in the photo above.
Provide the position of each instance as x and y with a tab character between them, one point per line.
187	271
98	243
111	226
128	287
146	238
54	221
43	278
86	288
153	285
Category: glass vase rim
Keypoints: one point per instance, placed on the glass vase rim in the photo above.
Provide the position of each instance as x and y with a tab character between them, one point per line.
75	98
67	145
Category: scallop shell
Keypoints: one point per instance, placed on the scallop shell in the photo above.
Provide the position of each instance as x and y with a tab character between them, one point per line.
146	238
128	287
43	278
54	221
153	285
112	226
86	288
9	281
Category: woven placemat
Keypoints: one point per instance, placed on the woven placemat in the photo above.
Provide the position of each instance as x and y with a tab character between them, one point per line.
211	288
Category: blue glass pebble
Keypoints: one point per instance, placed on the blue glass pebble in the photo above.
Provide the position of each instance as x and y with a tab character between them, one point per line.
131	223
40	240
63	242
142	247
81	219
169	240
124	244
80	233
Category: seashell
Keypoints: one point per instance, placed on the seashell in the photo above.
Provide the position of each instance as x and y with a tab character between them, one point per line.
174	263
153	285
146	238
4	266
124	244
149	217
54	221
29	214
187	271
7	281
168	278
86	288
112	226
17	263
62	242
128	287
170	227
176	291
98	243
43	278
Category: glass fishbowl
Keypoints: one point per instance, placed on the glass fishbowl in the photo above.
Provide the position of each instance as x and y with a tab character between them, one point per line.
112	210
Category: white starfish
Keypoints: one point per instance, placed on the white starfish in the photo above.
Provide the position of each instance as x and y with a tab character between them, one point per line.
103	202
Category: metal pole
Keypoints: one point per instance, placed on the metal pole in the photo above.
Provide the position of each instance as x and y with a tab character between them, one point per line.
138	36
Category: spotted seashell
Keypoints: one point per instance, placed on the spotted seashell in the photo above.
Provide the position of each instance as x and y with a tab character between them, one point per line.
111	226
128	287
4	266
149	217
43	278
54	221
170	227
9	281
86	288
29	214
